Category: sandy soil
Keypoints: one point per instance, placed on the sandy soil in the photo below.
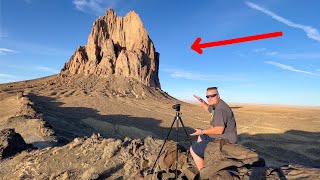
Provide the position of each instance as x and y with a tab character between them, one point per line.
280	134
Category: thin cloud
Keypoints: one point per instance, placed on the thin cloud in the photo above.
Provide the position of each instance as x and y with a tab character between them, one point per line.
265	51
303	55
257	50
47	69
190	76
300	55
272	53
7	76
96	7
2	34
240	54
34	68
4	51
181	74
311	32
289	68
39	49
3	81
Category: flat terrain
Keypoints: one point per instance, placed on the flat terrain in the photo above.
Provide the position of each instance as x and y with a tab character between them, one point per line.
280	134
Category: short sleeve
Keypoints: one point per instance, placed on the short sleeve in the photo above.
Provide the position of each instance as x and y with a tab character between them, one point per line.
210	108
219	118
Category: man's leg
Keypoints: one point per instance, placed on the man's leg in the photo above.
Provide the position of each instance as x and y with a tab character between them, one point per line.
199	139
198	160
199	147
203	137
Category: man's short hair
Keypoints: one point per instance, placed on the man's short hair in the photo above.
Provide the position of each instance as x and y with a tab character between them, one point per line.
212	88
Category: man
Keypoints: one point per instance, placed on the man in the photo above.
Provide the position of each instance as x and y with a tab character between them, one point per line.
223	125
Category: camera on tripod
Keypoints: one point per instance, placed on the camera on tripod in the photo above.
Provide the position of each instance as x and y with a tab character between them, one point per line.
176	119
176	107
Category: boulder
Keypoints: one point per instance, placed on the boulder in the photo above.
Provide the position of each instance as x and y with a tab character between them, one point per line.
11	143
220	155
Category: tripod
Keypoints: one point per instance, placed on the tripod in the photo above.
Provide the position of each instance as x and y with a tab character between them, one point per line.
177	118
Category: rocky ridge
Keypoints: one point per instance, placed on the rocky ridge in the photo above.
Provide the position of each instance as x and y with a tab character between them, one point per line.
28	121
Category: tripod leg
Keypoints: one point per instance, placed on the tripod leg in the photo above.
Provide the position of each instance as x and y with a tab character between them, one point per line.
190	141
177	134
184	128
154	164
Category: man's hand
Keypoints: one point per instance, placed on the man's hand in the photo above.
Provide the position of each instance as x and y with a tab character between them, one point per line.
203	103
199	98
198	132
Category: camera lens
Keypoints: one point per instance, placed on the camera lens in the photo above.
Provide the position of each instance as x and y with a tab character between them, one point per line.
176	107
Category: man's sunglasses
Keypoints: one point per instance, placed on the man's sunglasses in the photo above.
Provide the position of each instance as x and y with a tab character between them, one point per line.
211	95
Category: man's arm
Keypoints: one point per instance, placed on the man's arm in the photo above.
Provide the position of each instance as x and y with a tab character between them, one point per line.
214	130
211	131
203	103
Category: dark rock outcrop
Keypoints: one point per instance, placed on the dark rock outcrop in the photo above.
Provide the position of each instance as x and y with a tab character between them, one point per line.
11	143
221	158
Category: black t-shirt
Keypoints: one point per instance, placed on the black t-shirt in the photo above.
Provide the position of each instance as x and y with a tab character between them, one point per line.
222	115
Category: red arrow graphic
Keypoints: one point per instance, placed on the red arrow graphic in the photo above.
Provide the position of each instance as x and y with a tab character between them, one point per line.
196	46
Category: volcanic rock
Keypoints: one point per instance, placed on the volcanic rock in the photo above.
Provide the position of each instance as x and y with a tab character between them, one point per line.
120	47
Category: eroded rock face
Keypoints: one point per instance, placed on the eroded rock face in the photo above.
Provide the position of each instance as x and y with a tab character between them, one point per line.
11	143
117	46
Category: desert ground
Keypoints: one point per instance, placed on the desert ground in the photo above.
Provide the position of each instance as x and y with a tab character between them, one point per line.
53	111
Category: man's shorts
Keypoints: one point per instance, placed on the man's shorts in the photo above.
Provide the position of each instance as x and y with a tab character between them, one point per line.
199	147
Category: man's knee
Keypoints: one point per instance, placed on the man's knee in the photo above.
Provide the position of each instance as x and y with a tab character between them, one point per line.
191	150
199	139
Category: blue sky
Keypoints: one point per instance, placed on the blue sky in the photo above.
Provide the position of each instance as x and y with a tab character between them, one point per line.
38	36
